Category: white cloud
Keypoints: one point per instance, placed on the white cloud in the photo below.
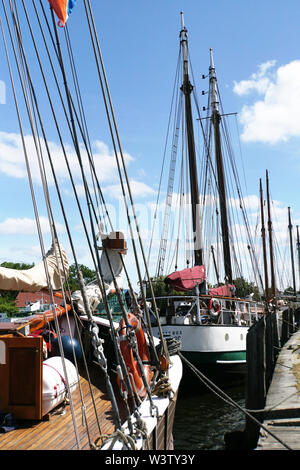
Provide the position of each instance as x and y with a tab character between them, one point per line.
2	92
12	160
250	202
258	81
138	189
27	226
276	117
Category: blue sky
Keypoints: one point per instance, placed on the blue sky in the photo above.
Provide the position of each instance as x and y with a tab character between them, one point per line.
257	59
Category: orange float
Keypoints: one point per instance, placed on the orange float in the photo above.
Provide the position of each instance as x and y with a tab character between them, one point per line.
42	319
131	364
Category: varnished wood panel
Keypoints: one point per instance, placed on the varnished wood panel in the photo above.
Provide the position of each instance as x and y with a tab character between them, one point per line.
21	377
22	388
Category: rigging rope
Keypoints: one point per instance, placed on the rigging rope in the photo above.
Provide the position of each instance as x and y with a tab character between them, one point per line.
163	163
221	394
168	204
53	172
113	126
29	173
72	115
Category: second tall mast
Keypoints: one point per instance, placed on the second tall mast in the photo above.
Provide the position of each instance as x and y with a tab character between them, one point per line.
216	118
187	89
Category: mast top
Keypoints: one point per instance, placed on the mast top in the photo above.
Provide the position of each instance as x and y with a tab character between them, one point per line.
184	39
182	20
213	80
183	31
212	66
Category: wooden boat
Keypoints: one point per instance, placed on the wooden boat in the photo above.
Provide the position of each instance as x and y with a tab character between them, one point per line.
69	377
204	312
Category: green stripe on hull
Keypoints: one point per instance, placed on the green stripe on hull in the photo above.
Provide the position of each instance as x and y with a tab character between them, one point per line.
203	358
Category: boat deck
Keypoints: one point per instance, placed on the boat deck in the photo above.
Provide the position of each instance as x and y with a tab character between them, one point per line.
56	430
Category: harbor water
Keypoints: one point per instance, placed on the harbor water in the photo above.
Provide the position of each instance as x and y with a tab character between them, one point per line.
203	418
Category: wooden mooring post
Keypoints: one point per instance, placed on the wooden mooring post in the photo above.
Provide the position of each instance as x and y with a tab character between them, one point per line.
288	324
255	380
263	347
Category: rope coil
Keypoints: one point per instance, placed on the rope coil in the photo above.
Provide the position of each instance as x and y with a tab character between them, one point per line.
163	388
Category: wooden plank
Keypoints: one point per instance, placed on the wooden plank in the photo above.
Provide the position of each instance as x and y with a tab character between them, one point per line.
287	432
161	433
283	398
282	409
57	433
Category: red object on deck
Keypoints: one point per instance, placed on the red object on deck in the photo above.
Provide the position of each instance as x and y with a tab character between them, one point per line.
42	319
224	291
187	279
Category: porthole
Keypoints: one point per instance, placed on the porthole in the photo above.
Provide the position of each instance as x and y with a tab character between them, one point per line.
226	337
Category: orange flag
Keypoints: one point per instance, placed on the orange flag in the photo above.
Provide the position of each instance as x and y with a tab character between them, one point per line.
63	9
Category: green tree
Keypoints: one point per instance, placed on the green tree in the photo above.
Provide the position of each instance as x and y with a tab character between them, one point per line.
245	288
8	306
289	291
161	289
19	266
87	273
7	298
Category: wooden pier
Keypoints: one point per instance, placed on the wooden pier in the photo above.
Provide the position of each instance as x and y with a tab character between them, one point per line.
282	408
272	385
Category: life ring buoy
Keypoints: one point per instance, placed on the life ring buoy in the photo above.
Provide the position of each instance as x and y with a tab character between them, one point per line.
214	307
131	364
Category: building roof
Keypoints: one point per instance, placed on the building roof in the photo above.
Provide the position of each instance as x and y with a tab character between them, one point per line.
25	298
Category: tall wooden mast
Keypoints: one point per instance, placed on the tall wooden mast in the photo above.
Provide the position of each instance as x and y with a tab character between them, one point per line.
292	250
263	234
216	119
187	89
298	250
270	230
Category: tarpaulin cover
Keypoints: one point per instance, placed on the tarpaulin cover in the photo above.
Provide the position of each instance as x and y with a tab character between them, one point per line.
225	291
187	279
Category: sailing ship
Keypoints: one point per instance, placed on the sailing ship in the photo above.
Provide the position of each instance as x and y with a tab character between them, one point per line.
209	320
69	378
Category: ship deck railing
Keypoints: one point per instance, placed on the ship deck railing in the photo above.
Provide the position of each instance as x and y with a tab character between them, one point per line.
242	311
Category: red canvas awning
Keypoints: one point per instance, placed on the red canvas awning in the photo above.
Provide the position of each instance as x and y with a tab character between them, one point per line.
225	291
187	279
